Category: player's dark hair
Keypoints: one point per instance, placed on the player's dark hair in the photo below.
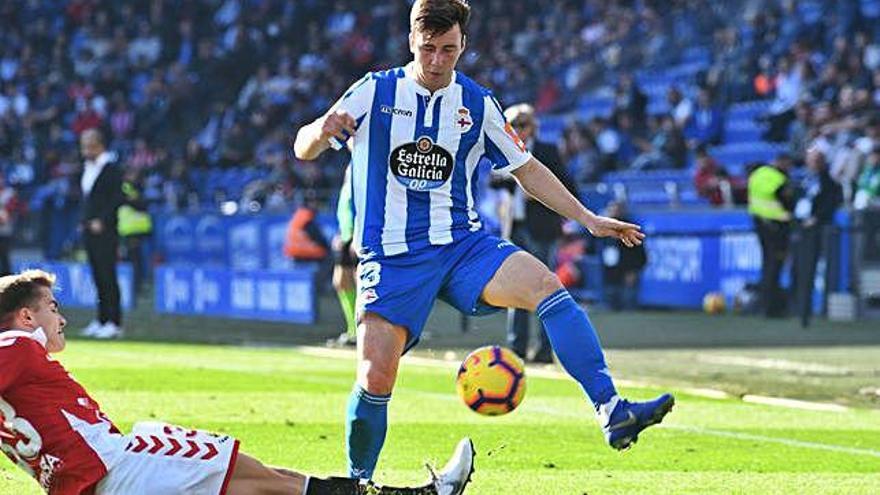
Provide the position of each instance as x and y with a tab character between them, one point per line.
438	16
22	290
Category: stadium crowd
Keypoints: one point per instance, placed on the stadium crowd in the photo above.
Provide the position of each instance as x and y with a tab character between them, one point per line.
192	90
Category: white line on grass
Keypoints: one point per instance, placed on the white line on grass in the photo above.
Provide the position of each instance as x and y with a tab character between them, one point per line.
794	403
782	441
776	364
790	442
551	372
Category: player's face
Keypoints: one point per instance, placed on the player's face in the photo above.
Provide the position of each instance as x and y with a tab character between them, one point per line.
435	56
47	315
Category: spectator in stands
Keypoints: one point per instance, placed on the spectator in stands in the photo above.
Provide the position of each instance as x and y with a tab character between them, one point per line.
789	84
580	154
87	118
142	156
711	179
57	202
868	192
800	132
101	184
122	121
621	267
10	208
814	212
771	201
830	81
681	108
534	227
664	148
765	81
608	143
569	259
706	123
235	146
629	100
305	242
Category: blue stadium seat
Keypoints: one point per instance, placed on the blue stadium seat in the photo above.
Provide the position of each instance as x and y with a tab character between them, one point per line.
658	107
742	130
592	106
735	156
596	196
697	55
661	175
551	128
748	110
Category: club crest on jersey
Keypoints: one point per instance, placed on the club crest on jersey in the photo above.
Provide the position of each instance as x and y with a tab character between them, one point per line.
463	121
422	165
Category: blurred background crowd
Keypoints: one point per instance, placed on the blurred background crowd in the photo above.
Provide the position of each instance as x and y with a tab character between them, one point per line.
199	97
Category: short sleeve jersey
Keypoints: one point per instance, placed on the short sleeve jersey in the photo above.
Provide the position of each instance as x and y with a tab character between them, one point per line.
415	156
51	428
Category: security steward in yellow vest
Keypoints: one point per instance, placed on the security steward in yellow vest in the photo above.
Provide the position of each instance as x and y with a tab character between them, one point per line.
771	202
135	226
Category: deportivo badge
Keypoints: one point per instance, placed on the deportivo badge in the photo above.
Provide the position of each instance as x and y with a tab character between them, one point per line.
463	121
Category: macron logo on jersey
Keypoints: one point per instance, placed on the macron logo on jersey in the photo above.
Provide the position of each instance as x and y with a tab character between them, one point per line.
401	112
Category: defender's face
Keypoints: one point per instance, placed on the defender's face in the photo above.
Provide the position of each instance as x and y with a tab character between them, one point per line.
435	55
47	315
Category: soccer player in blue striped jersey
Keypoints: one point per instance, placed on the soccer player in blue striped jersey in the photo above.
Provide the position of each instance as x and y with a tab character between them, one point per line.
418	133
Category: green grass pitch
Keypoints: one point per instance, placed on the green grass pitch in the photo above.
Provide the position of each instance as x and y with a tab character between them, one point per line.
287	407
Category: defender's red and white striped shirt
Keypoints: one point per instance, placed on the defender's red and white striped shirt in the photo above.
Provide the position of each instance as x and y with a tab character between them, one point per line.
50	426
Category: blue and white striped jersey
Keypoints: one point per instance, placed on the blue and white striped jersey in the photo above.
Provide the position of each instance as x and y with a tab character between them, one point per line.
415	156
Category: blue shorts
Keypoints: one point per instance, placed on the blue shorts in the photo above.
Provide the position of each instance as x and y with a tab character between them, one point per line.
402	288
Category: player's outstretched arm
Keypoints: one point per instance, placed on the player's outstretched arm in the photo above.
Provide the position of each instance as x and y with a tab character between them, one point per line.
541	184
314	139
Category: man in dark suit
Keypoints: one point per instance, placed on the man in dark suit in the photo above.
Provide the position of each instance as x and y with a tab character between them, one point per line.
531	225
814	214
102	194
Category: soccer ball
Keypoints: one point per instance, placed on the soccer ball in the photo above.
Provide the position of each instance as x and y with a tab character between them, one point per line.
491	380
713	303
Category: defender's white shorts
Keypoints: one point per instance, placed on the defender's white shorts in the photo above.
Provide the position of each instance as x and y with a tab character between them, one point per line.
163	459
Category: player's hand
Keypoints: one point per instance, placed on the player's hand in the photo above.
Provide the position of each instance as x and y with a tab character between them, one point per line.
96	226
339	124
629	233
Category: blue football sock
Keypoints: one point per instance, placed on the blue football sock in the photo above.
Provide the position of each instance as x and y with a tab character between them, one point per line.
576	344
365	431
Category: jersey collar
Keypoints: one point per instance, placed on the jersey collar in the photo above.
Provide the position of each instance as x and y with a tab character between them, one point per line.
408	71
39	335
